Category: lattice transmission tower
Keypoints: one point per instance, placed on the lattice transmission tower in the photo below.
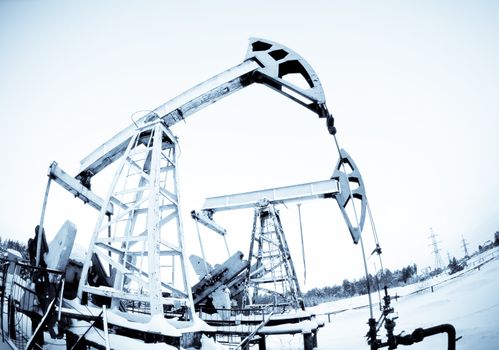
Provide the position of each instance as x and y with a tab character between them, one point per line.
464	245
436	250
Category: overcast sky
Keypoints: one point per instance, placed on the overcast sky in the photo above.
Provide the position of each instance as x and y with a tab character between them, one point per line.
413	86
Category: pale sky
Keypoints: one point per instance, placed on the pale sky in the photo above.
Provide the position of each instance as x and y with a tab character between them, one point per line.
413	87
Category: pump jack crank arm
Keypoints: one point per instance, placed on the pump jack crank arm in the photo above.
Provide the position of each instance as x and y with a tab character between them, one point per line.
266	63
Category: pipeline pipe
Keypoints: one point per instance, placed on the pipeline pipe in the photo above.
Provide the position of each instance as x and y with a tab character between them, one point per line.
419	334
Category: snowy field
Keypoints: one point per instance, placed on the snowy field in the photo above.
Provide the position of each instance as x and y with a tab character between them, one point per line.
470	302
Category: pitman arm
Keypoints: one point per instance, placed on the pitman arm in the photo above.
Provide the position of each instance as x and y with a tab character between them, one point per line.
266	63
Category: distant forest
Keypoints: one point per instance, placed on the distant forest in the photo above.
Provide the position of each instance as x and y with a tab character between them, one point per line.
349	288
408	274
16	245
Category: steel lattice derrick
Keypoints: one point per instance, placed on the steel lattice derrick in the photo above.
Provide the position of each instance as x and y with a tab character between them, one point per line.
143	241
272	273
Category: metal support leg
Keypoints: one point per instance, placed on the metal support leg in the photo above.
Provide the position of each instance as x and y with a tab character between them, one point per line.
314	337
308	341
262	345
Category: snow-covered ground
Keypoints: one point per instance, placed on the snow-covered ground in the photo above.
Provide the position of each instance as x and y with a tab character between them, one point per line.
470	302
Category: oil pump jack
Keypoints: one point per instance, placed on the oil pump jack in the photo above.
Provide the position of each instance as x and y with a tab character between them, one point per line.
136	256
267	281
268	244
132	285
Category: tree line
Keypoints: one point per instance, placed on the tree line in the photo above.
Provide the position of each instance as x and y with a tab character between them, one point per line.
16	245
349	288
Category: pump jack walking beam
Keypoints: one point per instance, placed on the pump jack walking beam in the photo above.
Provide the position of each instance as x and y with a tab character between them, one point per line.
286	194
266	63
338	187
294	193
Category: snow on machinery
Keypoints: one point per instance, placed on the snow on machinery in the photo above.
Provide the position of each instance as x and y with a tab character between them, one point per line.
132	285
